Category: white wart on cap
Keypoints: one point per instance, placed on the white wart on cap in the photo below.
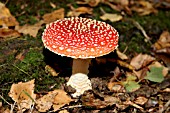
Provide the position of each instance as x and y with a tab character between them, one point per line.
80	37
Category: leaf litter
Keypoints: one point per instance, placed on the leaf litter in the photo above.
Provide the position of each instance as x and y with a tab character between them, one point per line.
131	74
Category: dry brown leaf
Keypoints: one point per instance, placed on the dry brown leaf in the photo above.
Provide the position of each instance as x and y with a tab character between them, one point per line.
55	99
92	3
141	73
116	87
111	17
78	11
63	111
143	8
50	70
113	6
5	33
91	100
22	94
53	16
141	60
125	64
164	41
5	110
45	103
121	55
60	99
6	19
30	29
140	100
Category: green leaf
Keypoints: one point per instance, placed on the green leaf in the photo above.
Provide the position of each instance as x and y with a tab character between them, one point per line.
131	86
131	78
155	74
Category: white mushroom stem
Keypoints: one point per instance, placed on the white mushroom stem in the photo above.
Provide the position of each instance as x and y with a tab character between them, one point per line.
79	79
81	66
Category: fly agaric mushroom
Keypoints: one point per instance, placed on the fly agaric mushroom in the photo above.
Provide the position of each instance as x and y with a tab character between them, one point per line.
80	39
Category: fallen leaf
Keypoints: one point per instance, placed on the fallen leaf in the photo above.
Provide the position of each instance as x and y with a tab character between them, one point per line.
78	11
23	94
6	19
56	99
92	3
141	60
63	111
163	41
143	7
113	6
30	29
90	99
5	33
45	102
4	110
50	70
121	55
60	99
155	74
116	87
111	17
131	86
125	65
53	16
141	100
159	65
141	73
162	48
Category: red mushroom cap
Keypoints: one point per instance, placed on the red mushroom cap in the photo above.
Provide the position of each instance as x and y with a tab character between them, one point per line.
80	37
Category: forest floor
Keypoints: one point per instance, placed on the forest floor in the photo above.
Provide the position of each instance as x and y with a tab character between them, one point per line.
144	37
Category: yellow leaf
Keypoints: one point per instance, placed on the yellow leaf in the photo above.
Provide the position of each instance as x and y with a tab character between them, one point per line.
50	70
61	99
143	8
111	17
6	19
80	10
121	55
44	103
141	100
23	94
29	29
5	32
53	16
164	41
55	99
141	60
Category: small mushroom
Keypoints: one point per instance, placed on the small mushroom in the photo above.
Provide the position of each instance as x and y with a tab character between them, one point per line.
81	39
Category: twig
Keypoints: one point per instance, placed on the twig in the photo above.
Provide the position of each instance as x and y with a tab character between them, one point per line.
12	105
67	107
164	107
142	30
4	100
136	24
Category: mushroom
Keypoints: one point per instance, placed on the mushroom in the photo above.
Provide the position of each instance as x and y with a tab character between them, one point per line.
81	39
